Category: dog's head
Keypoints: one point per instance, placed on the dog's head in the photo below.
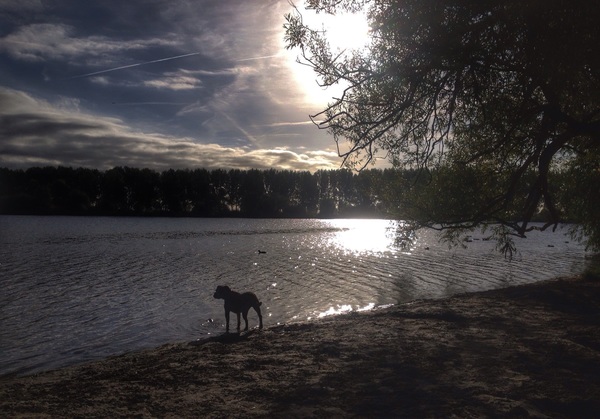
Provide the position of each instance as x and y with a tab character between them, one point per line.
222	291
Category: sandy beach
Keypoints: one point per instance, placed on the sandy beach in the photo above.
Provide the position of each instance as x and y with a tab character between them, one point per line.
527	351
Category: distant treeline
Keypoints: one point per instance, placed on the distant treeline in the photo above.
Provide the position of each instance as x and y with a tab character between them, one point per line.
199	192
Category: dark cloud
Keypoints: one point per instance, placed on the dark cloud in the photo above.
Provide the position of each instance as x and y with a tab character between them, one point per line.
34	132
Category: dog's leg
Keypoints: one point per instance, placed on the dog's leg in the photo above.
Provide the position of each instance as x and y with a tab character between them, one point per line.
245	314
238	322
257	309
227	320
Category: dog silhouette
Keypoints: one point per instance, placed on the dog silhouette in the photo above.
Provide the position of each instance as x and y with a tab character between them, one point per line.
239	304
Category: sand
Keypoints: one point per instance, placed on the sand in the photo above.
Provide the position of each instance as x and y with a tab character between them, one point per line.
527	351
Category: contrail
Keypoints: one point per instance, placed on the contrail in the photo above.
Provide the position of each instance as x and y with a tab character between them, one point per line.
150	103
258	58
251	139
288	124
123	67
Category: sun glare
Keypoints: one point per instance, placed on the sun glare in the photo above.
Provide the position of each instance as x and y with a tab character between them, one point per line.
345	32
364	236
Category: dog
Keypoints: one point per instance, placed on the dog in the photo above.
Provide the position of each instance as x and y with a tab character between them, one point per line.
239	304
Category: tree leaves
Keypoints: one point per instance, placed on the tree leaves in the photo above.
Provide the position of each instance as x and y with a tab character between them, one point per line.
510	88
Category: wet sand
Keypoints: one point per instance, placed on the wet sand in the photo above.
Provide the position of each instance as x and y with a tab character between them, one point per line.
528	351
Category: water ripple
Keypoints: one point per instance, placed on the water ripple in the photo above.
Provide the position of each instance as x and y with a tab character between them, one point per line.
78	289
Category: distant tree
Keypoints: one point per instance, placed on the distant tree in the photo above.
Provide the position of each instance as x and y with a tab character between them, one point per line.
326	203
202	196
253	194
279	188
176	187
308	193
87	187
114	193
232	189
15	197
484	97
579	191
346	191
368	192
143	186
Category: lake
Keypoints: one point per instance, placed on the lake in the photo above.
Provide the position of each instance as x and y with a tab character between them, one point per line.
76	289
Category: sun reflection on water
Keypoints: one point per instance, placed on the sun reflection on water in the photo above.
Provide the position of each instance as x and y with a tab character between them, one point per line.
354	241
360	236
341	309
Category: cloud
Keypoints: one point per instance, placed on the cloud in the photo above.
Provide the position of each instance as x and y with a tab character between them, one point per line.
179	80
153	83
36	132
46	41
287	159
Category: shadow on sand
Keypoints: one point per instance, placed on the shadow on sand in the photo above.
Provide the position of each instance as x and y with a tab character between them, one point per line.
226	338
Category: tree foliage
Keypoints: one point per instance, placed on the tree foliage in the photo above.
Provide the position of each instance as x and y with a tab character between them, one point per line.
494	94
198	192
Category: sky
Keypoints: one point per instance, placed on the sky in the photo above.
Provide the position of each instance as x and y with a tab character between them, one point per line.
156	84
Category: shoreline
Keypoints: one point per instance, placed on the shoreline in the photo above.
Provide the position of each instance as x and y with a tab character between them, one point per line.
530	350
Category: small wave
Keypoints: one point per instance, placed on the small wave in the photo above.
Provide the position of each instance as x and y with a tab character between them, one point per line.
81	294
184	235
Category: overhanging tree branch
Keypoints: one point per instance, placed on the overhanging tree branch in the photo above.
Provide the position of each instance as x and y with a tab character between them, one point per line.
507	89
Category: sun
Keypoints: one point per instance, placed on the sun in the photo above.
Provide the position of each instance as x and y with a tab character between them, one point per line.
345	32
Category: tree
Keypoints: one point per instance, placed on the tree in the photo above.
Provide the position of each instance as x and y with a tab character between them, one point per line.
579	188
175	190
114	193
143	186
501	91
253	194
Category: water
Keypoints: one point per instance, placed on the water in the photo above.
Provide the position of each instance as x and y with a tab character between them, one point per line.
78	289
